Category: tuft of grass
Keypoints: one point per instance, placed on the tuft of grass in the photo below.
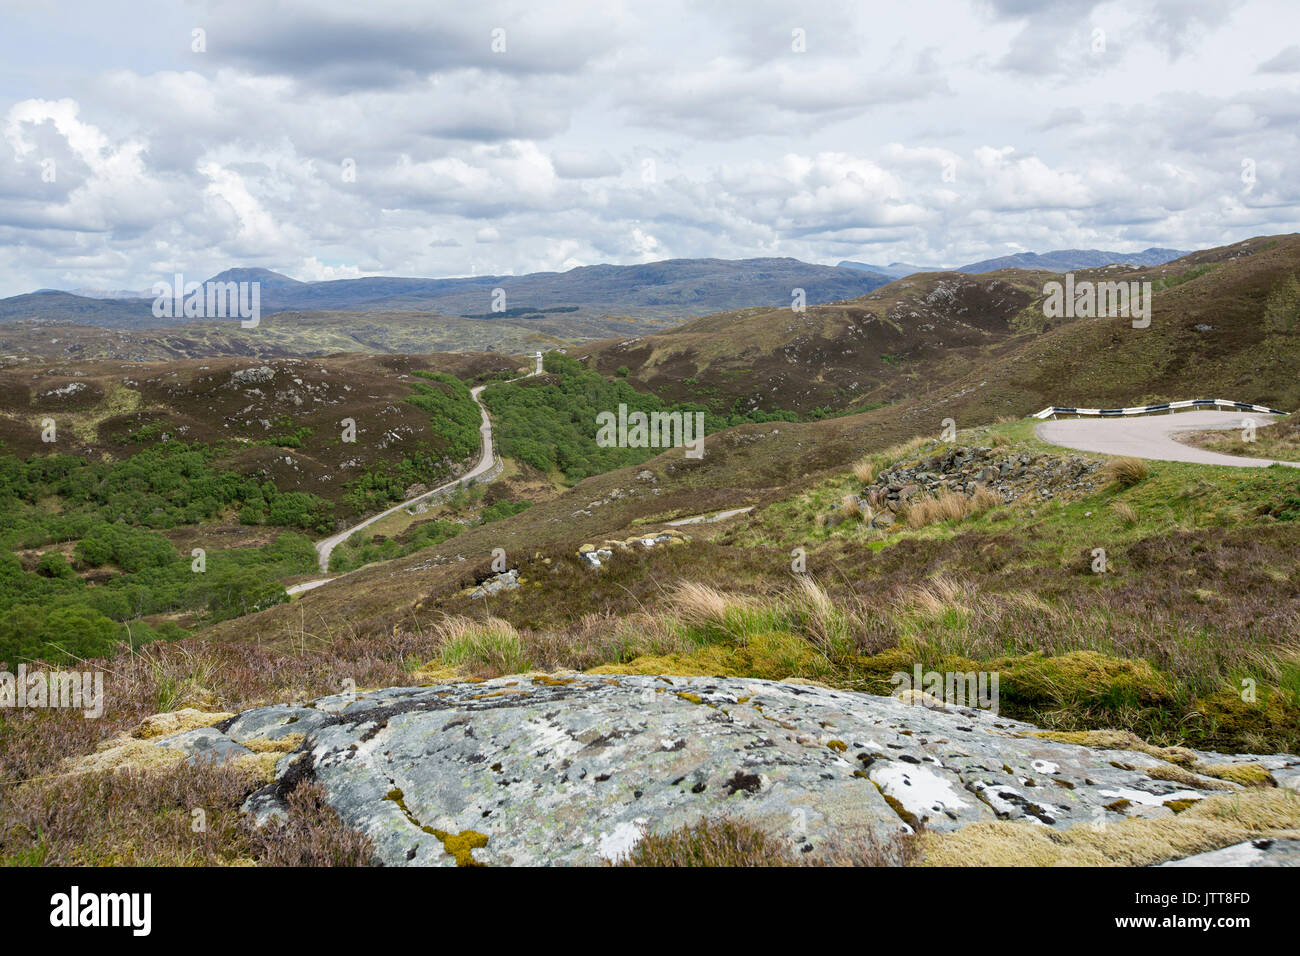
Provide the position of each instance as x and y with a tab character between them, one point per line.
489	648
865	471
721	842
950	506
1126	472
1124	511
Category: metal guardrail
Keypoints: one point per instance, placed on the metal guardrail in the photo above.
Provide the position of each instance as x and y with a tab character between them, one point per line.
1053	410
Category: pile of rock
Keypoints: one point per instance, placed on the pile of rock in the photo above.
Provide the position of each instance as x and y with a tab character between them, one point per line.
960	469
593	556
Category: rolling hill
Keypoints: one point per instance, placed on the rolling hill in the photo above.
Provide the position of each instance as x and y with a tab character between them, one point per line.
909	339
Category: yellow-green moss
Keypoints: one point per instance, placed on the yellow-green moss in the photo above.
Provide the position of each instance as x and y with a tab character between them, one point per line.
548	681
775	655
1185	777
1246	774
461	845
1119	740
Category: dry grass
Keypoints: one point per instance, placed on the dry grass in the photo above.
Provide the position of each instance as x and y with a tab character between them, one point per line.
1126	472
1124	511
1210	824
699	605
941	596
730	842
851	508
949	506
865	471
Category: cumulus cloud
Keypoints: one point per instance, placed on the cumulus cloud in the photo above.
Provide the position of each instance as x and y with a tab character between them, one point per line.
329	140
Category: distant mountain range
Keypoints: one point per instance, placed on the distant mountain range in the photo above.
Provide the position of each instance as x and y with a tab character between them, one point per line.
574	304
895	270
1060	260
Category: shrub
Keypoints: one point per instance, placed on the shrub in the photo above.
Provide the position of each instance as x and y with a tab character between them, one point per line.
53	565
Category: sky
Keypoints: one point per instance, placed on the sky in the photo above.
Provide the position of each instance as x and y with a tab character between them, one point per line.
332	139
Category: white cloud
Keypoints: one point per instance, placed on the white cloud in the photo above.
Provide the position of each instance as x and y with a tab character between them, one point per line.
925	133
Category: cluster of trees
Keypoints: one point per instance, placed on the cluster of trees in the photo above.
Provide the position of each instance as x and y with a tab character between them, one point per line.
455	415
84	515
51	613
166	486
552	426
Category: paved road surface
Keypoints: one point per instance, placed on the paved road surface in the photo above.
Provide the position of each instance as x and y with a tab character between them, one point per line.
485	462
1152	436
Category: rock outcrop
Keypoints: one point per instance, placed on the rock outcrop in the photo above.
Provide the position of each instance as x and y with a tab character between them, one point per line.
593	556
574	769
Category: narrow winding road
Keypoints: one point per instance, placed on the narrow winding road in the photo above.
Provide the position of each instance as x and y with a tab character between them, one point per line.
488	458
1152	436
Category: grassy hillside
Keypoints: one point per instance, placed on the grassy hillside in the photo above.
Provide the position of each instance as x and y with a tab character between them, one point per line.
985	559
893	343
1213	330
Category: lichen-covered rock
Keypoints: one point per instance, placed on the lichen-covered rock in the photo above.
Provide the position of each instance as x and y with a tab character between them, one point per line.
574	769
1266	852
505	581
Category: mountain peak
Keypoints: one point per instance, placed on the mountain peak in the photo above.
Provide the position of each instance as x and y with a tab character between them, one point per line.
266	277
